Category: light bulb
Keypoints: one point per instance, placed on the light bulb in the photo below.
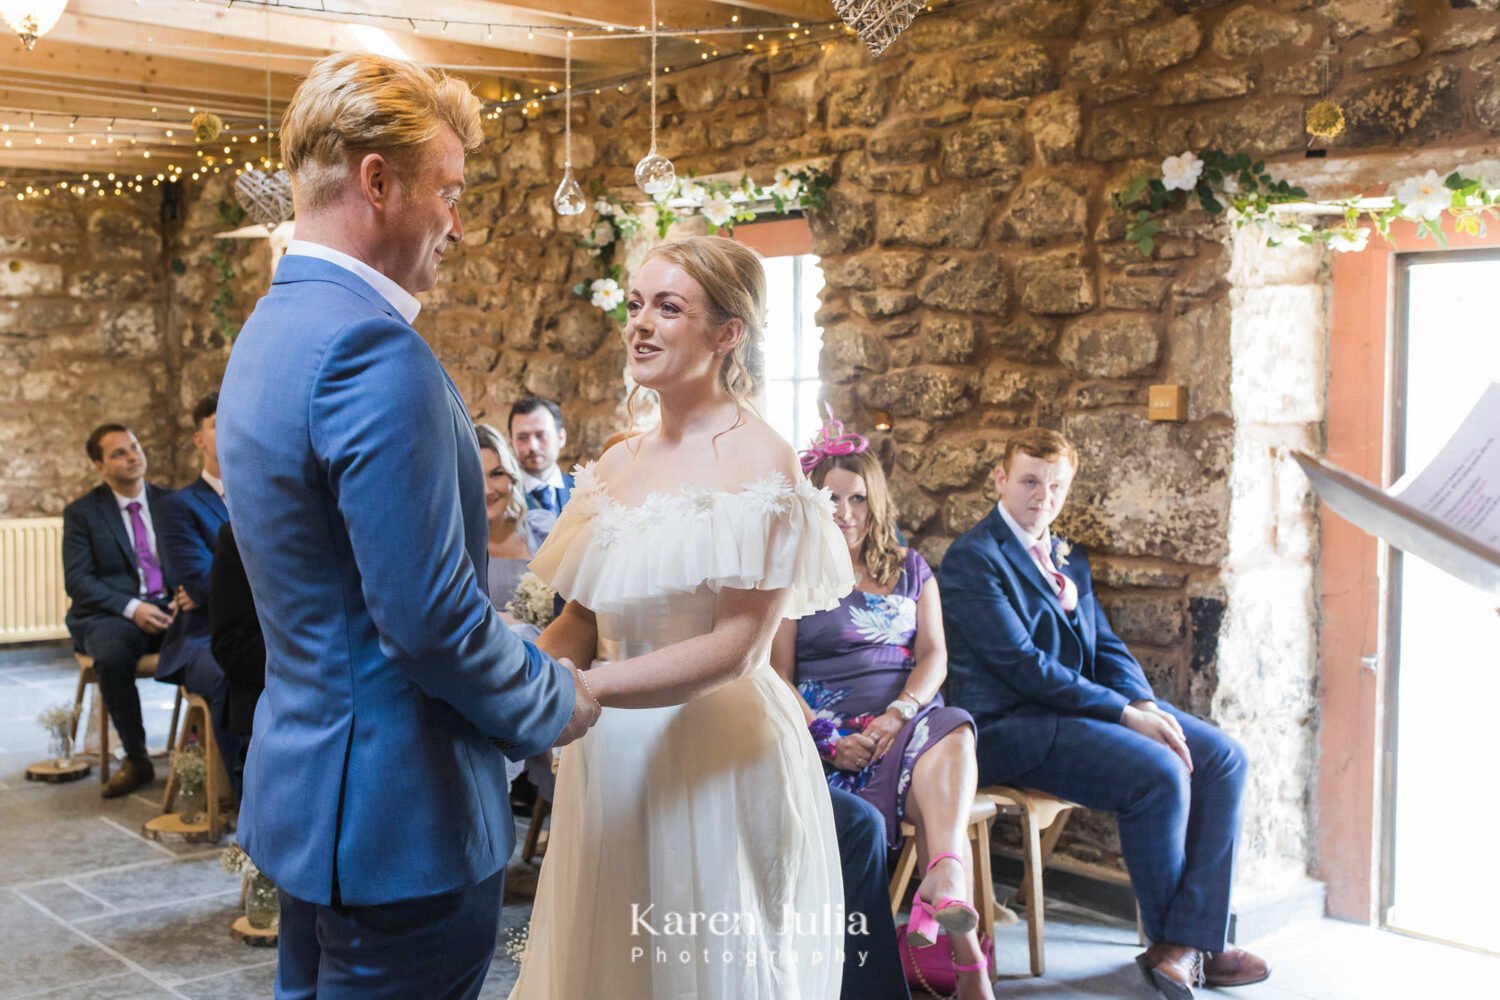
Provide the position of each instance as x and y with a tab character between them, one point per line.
655	174
569	198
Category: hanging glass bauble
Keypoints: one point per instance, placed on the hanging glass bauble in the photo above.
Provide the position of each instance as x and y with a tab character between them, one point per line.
655	174
569	198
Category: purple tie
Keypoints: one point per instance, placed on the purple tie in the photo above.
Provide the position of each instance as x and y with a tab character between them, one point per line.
150	568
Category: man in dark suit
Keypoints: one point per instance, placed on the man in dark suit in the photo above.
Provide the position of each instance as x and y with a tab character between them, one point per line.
537	435
1063	707
188	527
121	593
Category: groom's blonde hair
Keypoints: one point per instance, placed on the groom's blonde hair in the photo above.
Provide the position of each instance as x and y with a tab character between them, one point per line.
355	103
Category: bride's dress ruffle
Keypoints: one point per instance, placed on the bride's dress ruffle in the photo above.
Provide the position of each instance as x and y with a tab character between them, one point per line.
716	807
770	535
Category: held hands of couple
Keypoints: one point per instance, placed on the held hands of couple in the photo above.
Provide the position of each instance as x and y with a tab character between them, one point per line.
1153	722
586	707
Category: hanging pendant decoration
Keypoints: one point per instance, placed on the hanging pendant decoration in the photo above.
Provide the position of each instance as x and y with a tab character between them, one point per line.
569	197
655	174
878	22
31	19
265	197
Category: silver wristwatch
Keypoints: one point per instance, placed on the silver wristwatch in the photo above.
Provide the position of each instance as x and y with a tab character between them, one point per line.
904	708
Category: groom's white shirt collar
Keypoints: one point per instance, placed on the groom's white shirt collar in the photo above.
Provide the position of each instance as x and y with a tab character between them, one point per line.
400	299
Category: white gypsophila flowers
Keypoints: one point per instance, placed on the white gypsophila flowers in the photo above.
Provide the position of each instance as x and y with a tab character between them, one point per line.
603	234
1181	173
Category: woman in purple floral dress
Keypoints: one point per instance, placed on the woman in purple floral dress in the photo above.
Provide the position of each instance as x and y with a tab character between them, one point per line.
869	673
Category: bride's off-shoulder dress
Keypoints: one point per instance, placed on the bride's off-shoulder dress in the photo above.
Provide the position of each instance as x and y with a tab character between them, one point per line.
692	851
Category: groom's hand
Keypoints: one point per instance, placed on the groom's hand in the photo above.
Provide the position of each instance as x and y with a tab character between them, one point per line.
586	708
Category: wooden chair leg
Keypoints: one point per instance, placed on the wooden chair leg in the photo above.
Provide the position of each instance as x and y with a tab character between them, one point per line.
1050	837
1032	880
103	739
172	727
984	885
906	865
539	812
78	706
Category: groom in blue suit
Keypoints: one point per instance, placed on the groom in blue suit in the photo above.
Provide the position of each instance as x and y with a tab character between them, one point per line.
375	790
1063	707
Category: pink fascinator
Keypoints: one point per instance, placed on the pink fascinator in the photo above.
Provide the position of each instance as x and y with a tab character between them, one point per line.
830	442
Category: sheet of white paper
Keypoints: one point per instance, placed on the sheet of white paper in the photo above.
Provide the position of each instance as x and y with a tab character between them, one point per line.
1461	486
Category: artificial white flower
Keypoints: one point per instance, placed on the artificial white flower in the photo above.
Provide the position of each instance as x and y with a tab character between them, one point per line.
1180	173
1063	548
786	186
1423	197
603	207
1278	232
603	234
718	210
1231	185
1347	241
692	191
607	294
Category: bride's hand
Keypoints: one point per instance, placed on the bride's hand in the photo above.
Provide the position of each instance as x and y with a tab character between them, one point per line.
586	708
854	752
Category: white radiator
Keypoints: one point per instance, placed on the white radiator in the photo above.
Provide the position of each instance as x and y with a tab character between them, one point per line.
32	599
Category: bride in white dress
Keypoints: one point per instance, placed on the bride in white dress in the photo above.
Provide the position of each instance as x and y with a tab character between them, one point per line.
692	852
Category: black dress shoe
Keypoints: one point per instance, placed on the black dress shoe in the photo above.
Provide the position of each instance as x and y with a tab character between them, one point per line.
132	773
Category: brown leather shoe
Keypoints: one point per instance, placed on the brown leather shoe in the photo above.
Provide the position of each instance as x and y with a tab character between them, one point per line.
131	774
1173	970
1235	967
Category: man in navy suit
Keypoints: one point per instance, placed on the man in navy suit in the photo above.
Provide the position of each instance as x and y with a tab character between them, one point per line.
189	530
537	435
375	790
1063	707
122	594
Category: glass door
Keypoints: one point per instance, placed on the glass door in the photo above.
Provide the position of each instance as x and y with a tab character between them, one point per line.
1443	737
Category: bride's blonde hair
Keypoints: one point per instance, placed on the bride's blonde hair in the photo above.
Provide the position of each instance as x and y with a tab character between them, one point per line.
734	282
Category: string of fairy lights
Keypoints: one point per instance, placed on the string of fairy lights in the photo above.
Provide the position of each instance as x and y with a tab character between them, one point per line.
169	152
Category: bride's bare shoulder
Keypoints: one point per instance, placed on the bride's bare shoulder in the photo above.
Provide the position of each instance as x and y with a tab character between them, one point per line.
617	457
754	450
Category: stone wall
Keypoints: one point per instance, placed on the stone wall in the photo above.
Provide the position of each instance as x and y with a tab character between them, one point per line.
104	317
977	283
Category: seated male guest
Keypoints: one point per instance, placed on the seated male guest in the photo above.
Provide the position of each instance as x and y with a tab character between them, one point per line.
537	436
1063	707
122	595
188	526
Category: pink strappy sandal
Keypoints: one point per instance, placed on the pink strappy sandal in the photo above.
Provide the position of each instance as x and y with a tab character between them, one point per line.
952	915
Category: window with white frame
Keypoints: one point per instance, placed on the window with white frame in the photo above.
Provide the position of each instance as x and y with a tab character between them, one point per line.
793	342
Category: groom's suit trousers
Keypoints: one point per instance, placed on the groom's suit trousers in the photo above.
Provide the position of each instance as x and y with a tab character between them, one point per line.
437	947
872	965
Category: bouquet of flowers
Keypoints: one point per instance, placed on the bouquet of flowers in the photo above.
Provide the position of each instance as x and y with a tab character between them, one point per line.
533	601
234	860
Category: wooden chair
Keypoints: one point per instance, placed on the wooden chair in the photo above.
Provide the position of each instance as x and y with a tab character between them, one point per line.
198	720
145	667
1043	818
981	816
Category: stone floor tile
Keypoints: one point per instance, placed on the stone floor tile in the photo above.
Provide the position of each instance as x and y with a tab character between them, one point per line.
127	986
253	983
37	952
179	940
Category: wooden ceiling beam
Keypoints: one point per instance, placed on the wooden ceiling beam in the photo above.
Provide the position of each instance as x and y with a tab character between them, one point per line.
247	27
139	73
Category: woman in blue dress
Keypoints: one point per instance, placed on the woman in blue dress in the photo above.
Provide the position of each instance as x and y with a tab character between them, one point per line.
869	673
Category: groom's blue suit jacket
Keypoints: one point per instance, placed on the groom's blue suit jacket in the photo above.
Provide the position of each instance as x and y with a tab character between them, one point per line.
1016	661
355	488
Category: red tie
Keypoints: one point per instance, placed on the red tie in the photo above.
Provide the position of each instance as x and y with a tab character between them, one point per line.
1067	590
